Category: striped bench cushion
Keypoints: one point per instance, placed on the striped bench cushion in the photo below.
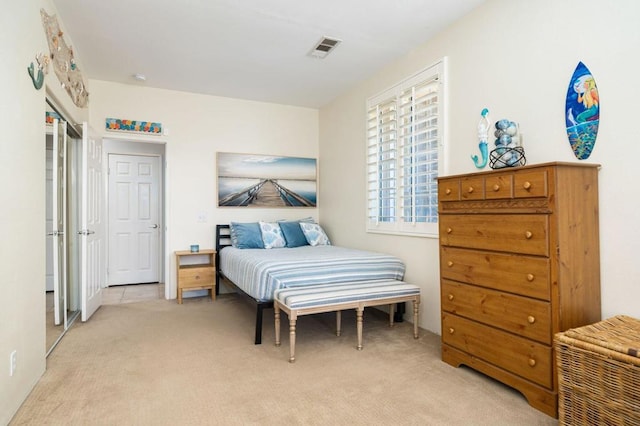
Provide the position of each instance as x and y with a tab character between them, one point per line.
335	294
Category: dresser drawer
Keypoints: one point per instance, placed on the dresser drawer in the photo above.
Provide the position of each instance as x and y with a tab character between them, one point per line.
515	273
196	277
517	233
449	189
520	315
518	355
472	188
498	186
531	183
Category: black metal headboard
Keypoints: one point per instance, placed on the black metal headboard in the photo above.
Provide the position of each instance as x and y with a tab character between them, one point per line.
223	239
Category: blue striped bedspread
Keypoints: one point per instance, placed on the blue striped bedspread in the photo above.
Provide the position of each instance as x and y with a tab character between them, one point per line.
259	272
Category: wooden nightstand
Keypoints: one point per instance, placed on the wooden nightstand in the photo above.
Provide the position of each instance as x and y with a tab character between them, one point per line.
196	271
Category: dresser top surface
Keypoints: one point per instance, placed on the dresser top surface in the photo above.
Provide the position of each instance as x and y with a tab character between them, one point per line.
527	167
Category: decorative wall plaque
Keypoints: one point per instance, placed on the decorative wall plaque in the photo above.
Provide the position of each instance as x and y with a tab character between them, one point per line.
62	61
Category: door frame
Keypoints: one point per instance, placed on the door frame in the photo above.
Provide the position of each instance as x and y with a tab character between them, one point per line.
143	148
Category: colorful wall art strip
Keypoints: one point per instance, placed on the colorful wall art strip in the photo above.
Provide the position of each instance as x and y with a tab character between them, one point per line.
121	125
582	112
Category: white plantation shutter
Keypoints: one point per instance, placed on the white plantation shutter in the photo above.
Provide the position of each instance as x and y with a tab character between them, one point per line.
404	149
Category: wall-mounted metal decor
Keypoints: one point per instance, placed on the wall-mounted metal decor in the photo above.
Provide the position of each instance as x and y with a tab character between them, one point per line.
62	61
37	74
246	180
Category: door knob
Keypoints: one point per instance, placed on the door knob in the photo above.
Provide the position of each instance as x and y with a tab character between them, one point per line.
154	226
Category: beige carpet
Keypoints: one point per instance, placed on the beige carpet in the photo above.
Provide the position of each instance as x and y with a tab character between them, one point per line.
160	363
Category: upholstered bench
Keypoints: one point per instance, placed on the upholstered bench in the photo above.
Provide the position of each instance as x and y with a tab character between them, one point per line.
298	301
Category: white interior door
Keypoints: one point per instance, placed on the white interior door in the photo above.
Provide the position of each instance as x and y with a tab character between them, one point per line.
92	226
134	228
58	221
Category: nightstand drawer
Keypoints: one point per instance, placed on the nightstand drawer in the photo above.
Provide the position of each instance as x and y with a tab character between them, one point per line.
196	277
518	355
520	315
515	273
517	233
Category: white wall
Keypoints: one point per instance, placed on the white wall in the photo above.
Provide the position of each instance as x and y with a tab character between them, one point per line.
515	58
197	127
22	197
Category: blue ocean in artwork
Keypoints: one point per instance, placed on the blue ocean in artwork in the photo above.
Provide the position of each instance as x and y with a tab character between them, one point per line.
582	112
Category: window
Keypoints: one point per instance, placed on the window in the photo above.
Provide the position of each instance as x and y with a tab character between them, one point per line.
405	127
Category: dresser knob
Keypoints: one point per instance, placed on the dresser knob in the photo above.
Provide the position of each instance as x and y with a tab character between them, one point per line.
470	190
450	263
526	185
530	277
496	187
197	277
447	191
451	297
449	230
531	319
528	235
451	330
532	362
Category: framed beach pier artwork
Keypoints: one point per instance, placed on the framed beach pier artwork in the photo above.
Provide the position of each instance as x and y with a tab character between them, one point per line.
247	180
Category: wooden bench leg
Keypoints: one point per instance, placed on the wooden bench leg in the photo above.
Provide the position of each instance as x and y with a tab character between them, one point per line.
359	319
292	338
338	323
276	310
416	311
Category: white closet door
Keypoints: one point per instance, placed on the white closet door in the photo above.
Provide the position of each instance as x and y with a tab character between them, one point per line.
92	226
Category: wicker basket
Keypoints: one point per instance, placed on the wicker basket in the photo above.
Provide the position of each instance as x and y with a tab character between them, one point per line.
599	373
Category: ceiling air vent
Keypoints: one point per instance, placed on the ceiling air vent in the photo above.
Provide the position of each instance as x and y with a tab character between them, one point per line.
324	46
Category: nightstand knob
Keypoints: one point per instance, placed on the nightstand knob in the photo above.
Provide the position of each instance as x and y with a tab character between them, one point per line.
451	330
450	264
532	362
530	277
526	185
449	230
470	190
197	277
528	235
531	319
451	297
496	187
447	191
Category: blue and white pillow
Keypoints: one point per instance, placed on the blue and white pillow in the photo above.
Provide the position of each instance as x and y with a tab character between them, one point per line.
272	235
246	235
314	234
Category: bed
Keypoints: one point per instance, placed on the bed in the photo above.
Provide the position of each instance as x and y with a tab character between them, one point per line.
256	273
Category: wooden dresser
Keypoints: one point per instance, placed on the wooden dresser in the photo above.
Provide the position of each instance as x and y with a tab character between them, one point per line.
519	262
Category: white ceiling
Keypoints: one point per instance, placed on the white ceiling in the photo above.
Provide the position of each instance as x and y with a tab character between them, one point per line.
249	49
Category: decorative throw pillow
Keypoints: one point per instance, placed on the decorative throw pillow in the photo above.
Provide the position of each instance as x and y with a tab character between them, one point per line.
272	235
314	234
293	234
246	235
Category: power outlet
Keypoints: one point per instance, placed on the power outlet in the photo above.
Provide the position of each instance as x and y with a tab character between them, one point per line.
13	360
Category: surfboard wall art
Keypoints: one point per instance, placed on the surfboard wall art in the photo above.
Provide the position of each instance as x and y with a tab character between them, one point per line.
582	112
